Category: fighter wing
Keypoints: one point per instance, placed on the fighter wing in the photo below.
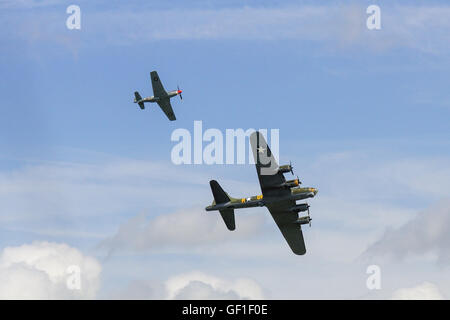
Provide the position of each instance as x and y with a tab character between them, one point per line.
158	89
286	222
167	108
269	177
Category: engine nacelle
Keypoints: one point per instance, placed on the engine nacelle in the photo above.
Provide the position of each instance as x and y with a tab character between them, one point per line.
303	220
284	169
300	207
291	183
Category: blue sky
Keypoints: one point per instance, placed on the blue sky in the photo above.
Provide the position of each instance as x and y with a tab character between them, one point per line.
363	115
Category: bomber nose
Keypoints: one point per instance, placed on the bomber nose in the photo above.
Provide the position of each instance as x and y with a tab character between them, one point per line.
315	191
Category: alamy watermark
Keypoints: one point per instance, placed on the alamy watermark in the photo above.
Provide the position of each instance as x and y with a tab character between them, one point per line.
73	281
373	281
74	20
220	148
374	20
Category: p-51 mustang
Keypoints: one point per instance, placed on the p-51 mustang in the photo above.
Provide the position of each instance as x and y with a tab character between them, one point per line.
160	96
278	195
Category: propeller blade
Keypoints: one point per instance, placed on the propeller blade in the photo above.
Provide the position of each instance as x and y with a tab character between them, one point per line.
181	97
309	216
292	168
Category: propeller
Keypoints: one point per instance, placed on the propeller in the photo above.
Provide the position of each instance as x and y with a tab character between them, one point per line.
179	92
309	216
292	168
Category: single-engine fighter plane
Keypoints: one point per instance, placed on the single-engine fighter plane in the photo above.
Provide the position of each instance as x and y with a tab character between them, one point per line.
278	195
160	96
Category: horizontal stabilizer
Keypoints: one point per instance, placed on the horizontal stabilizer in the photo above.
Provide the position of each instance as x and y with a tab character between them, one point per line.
137	99
228	218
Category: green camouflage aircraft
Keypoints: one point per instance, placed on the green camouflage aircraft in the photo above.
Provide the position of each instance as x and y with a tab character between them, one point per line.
160	96
278	195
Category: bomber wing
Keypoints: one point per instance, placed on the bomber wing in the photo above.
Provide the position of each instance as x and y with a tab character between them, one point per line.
270	180
267	168
286	222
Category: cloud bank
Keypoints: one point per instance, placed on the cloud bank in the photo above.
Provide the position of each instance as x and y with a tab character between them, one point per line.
427	233
40	270
186	228
424	291
200	286
422	28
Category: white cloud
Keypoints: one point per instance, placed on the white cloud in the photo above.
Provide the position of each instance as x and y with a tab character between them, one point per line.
335	26
194	285
424	291
339	26
427	233
61	200
27	4
427	176
197	285
375	174
185	228
41	271
341	230
138	290
62	193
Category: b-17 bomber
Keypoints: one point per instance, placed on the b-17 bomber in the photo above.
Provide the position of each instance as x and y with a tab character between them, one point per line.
278	195
160	96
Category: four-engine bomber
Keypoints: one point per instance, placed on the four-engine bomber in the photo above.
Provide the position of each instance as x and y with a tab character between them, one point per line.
278	195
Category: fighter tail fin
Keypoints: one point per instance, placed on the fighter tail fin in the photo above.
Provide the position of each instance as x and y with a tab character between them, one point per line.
220	197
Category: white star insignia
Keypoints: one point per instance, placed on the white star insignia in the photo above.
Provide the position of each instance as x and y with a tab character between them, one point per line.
261	149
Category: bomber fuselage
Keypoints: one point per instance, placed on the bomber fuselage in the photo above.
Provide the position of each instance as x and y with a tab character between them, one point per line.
298	193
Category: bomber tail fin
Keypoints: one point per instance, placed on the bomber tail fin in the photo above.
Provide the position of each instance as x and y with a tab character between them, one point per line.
137	99
220	197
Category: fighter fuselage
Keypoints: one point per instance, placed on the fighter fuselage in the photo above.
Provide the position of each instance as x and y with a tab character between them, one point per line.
169	95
